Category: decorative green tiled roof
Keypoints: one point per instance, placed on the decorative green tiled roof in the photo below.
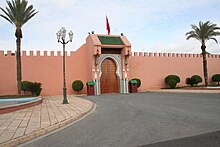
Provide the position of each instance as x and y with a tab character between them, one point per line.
110	40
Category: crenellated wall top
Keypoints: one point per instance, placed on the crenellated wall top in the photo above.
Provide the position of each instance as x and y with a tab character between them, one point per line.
37	53
151	54
134	54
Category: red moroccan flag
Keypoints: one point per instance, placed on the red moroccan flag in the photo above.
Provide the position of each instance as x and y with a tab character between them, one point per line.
107	25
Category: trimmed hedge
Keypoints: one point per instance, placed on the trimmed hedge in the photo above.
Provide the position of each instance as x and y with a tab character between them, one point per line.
77	85
172	83
216	78
172	80
190	81
175	77
197	79
138	81
194	80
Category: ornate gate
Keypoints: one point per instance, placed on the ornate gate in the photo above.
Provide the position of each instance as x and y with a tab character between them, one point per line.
109	80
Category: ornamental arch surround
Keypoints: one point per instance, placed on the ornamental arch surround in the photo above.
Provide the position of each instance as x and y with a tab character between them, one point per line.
117	60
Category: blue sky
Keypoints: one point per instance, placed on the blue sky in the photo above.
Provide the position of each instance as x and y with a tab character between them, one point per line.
150	25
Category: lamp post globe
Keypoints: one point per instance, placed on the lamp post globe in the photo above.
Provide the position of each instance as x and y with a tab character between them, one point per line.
61	34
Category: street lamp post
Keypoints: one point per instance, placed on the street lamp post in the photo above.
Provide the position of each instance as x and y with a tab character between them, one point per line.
61	34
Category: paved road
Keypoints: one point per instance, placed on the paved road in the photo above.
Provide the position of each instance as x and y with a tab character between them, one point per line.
142	119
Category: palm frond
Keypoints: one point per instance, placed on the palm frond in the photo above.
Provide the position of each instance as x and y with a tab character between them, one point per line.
214	39
6	16
18	12
204	31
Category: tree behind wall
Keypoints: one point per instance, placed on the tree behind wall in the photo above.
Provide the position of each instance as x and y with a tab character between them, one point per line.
203	33
18	13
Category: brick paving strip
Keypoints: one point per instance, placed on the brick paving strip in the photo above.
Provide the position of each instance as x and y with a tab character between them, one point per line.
26	124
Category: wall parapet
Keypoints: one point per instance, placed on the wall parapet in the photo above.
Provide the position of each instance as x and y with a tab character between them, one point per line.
37	53
184	55
134	54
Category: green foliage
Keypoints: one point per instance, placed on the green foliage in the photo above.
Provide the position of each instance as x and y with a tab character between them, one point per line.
204	31
172	83
194	80
138	82
197	79
18	12
33	87
172	78
25	86
216	78
77	85
190	81
175	77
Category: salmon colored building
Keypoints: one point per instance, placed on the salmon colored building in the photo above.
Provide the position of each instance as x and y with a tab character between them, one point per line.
105	59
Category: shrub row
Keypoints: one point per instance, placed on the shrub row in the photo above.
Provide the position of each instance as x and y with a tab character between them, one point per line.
77	85
172	80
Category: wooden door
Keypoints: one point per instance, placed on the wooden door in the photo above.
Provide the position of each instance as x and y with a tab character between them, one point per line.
109	80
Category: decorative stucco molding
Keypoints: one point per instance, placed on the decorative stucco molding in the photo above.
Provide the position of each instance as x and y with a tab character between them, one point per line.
116	58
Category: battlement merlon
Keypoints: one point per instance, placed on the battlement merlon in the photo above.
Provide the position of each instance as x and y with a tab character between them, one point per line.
171	55
39	53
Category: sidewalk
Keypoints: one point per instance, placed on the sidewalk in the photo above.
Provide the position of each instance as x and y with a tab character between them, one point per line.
185	91
23	125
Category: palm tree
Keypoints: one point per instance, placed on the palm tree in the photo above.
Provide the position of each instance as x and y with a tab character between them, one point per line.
18	13
203	33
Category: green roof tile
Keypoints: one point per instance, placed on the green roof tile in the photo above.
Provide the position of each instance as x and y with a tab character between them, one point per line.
110	40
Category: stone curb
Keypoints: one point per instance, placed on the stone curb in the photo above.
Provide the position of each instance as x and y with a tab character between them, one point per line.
43	131
186	91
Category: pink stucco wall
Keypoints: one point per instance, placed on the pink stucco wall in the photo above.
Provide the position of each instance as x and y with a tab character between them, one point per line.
152	68
44	69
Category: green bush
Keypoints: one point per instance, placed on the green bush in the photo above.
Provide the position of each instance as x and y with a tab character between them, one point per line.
138	82
172	83
174	77
190	81
216	78
77	85
25	86
196	79
170	80
33	87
